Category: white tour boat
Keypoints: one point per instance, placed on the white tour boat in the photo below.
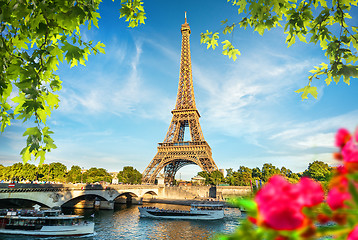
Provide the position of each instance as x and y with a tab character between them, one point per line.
49	223
200	211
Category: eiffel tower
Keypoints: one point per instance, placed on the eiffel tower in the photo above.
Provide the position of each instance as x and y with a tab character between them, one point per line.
175	153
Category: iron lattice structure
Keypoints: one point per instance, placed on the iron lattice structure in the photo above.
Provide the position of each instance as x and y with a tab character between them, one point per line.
174	152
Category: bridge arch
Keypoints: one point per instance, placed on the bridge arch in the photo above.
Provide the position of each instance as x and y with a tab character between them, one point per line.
86	200
16	202
125	197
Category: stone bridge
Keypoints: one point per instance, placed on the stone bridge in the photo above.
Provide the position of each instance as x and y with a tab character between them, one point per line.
58	195
88	195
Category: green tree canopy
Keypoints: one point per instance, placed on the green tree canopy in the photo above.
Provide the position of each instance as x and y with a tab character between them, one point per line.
216	177
129	175
74	175
243	176
213	178
256	173
94	175
319	22
58	172
318	170
35	37
268	170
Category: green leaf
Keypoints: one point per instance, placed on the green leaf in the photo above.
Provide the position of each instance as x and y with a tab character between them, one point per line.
100	47
229	50
228	29
302	38
41	154
353	191
33	131
52	100
328	80
26	156
307	90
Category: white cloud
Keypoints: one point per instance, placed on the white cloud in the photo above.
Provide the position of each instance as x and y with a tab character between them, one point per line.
241	99
95	93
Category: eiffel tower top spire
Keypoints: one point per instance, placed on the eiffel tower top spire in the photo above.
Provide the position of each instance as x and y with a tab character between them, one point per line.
185	97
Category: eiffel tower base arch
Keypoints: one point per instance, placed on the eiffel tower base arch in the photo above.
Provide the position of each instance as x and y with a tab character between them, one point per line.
173	156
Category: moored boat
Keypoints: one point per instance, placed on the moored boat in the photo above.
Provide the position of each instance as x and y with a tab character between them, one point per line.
200	211
49	223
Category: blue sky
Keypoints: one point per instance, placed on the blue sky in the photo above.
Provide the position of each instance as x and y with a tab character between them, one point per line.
114	111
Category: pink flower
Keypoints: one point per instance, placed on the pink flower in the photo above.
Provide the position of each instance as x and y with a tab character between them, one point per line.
280	203
308	188
353	235
342	137
350	151
336	198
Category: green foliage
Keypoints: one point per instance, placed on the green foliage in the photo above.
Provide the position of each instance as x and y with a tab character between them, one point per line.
268	170
245	176
314	22
74	175
210	39
54	172
319	171
307	90
216	177
35	37
129	175
94	175
213	178
229	50
133	11
205	175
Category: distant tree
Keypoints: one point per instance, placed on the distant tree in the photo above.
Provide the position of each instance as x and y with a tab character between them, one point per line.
213	178
58	172
216	177
285	172
15	172
2	168
43	172
243	176
230	179
205	175
268	170
294	178
319	171
29	172
74	175
97	175
256	173
129	175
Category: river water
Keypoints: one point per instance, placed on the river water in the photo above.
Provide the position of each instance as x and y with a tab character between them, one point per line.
124	223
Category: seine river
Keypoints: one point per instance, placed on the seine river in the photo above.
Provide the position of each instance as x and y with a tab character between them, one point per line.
124	223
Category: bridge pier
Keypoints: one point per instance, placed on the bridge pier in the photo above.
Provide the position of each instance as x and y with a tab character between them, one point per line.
106	205
137	201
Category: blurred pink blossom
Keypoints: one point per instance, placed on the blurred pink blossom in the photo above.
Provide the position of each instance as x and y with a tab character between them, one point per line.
280	203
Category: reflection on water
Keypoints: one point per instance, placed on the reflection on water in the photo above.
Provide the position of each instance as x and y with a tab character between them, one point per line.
124	223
